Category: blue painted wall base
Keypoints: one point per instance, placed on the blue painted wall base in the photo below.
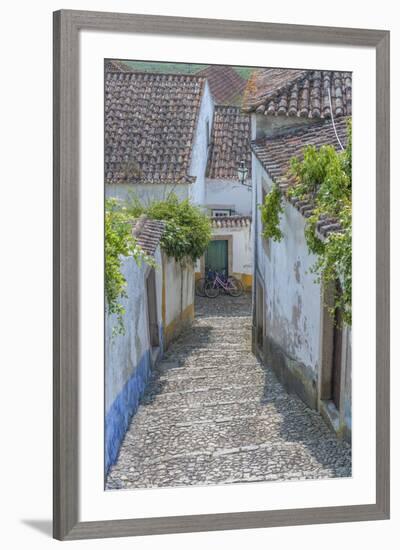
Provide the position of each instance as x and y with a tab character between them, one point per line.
124	407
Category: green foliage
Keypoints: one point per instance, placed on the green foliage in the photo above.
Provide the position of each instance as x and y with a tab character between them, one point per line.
179	68
162	67
325	180
119	243
188	229
271	210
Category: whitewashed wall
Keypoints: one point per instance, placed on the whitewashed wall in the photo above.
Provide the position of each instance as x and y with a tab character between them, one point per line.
293	333
292	297
223	193
146	192
198	165
127	356
179	296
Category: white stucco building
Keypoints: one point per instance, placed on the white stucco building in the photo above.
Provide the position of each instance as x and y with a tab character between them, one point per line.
231	248
171	134
292	329
157	135
228	201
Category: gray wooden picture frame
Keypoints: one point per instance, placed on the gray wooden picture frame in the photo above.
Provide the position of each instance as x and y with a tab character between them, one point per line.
67	26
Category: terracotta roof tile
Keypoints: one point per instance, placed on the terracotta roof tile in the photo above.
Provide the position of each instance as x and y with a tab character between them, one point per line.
299	93
150	122
218	222
148	233
230	143
226	85
275	154
115	66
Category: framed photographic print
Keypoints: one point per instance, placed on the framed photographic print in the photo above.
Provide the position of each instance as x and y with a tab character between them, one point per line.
221	275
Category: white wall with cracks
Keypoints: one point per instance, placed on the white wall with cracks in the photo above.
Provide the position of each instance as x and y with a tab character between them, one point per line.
123	352
292	297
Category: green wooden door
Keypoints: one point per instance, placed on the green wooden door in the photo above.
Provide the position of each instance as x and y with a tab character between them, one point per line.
217	256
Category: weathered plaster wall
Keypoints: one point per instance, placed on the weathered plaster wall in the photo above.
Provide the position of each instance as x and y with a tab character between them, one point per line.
178	294
292	297
294	335
228	194
146	192
198	165
345	419
267	125
127	356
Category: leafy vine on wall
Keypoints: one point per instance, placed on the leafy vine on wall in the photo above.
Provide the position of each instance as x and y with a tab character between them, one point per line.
324	178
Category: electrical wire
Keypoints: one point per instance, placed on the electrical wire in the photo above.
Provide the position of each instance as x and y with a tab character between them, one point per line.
332	119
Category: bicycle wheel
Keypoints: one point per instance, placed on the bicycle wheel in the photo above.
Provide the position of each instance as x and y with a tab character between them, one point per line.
235	287
199	287
210	290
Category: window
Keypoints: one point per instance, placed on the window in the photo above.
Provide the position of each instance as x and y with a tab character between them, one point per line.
220	213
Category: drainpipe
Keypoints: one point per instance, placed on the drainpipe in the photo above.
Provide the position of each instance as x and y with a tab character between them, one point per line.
181	315
255	257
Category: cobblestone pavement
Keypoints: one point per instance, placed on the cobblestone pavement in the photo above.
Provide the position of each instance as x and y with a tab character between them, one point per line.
213	414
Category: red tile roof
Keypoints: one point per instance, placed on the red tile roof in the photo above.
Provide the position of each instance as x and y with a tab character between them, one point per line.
150	122
148	233
299	93
226	85
275	154
116	66
218	222
230	143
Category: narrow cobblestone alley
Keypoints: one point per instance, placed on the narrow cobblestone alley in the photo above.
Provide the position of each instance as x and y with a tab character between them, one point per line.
213	414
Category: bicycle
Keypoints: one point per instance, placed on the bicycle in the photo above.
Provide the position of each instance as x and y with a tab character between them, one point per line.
230	285
201	283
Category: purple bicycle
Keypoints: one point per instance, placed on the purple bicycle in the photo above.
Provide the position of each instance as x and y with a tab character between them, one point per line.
230	285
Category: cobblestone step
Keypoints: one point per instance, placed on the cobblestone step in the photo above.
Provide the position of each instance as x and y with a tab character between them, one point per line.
181	379
205	356
277	408
266	462
202	394
212	414
193	368
224	432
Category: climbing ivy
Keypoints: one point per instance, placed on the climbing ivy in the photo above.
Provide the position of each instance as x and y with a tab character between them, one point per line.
187	228
325	179
271	209
119	243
